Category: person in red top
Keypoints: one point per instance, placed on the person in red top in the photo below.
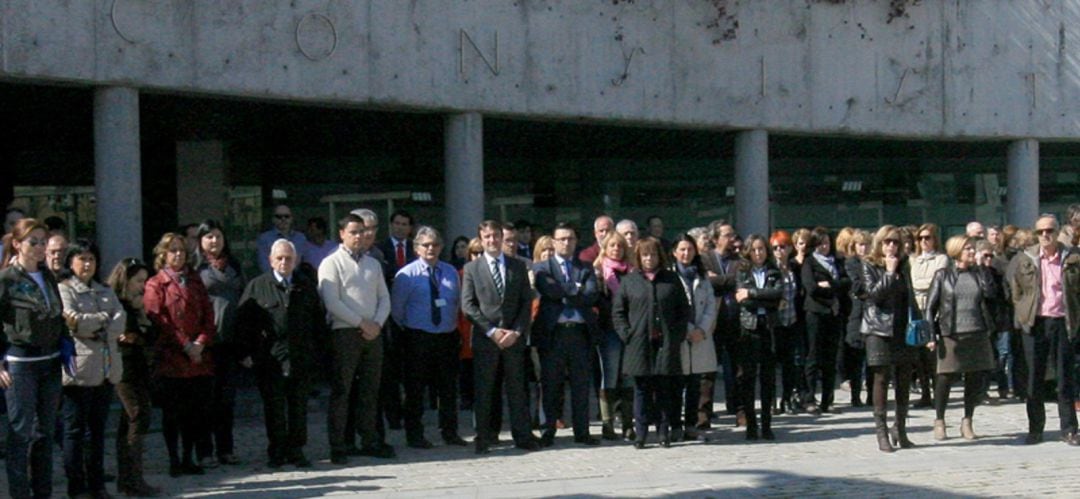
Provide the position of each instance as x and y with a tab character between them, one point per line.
176	301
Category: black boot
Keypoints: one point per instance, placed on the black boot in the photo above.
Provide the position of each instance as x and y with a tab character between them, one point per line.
881	429
899	430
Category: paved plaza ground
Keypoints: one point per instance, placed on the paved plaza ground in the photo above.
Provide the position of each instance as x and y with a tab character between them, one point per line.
832	455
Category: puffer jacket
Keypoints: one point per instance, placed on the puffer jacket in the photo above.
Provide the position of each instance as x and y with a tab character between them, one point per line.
99	321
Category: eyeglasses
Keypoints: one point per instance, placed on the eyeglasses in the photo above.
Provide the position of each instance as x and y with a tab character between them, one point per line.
281	216
891	241
926	238
779	247
1044	232
33	241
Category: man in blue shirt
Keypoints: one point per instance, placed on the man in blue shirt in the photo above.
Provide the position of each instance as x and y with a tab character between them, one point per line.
424	302
283	223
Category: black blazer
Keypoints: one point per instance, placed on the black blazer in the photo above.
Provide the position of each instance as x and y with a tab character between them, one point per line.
555	294
386	246
634	313
481	303
273	329
821	300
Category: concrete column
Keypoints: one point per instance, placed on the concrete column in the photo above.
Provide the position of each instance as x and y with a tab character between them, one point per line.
1022	198
752	182
117	175
464	172
200	181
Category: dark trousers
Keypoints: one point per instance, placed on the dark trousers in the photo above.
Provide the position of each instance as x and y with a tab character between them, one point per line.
854	360
433	362
219	440
357	368
134	422
1049	345
488	362
85	409
32	403
465	383
727	331
391	379
689	392
185	413
756	362
656	402
786	341
822	340
285	401
567	355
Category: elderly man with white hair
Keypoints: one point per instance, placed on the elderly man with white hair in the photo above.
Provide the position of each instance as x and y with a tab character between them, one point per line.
628	229
975	229
278	319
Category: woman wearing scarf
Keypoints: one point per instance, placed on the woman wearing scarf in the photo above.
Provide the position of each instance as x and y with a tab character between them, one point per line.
225	283
616	390
926	262
176	302
786	331
825	280
698	352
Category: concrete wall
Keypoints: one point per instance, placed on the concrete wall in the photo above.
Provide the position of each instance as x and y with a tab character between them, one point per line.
936	68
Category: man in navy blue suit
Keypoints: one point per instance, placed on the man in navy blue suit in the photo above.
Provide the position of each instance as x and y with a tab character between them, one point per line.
566	334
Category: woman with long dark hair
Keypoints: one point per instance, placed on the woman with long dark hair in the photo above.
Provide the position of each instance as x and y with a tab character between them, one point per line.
759	294
698	352
825	281
650	313
224	281
128	281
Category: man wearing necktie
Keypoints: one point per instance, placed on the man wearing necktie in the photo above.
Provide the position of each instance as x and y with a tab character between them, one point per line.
424	303
566	334
278	319
497	299
397	251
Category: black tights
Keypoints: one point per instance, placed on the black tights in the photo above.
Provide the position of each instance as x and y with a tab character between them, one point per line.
880	380
974	385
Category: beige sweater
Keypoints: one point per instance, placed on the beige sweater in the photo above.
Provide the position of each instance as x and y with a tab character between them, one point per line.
353	292
99	322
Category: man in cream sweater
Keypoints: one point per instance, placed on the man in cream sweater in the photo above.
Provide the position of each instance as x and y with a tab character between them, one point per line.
354	291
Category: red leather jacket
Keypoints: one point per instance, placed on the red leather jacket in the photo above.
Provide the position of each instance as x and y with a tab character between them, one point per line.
183	314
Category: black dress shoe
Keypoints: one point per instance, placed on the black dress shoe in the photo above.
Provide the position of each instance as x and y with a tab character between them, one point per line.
528	445
420	443
586	440
689	436
640	444
192	469
767	434
276	462
1071	439
607	432
665	442
339	458
380	451
354	451
454	439
482	448
832	409
1033	438
547	439
300	461
751	433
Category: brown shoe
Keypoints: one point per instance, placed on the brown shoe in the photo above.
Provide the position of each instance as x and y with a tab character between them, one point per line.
966	430
939	430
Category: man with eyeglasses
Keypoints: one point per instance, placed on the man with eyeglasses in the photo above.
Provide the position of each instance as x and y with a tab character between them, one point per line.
283	223
720	266
1045	283
424	303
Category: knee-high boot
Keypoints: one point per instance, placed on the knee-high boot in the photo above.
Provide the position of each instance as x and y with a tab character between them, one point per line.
899	429
881	429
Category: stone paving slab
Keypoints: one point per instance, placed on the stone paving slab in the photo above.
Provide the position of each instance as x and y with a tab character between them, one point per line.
832	455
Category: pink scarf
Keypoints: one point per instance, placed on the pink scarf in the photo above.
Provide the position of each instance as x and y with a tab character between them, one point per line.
612	270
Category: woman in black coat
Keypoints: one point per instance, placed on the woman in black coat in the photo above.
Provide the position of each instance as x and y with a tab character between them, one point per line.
886	305
825	281
650	313
759	293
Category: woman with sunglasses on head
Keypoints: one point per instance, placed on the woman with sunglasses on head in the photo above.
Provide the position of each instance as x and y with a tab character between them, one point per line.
225	283
959	309
922	266
884	323
177	303
95	320
32	313
128	281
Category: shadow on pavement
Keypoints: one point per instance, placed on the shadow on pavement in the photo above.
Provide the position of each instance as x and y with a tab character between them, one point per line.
296	487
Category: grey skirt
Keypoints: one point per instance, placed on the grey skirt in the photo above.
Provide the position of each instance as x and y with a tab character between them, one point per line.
965	353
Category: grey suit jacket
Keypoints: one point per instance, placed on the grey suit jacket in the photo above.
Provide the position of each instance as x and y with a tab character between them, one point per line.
481	303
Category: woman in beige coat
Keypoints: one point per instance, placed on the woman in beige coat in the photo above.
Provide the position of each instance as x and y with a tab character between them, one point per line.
95	319
698	352
926	261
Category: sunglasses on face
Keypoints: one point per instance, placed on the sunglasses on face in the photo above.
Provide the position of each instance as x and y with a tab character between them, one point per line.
890	241
926	238
282	217
778	248
33	241
1044	232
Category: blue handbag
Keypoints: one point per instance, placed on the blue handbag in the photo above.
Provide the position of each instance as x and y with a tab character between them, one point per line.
918	331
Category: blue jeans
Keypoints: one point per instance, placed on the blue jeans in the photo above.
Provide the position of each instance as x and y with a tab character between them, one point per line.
85	410
32	402
1005	363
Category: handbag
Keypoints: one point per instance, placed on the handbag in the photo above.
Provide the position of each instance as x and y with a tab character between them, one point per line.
918	331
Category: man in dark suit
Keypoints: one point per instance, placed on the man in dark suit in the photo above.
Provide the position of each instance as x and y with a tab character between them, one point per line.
497	299
279	317
720	265
566	334
397	251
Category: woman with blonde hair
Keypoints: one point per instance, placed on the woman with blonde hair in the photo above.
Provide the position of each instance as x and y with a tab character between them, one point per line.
853	350
927	261
616	390
884	322
958	309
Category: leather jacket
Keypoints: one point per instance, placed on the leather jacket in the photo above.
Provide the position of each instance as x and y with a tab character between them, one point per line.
885	301
765	297
941	309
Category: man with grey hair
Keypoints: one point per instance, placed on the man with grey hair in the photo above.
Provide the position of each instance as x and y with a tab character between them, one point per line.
975	229
424	303
602	226
1047	308
628	230
278	320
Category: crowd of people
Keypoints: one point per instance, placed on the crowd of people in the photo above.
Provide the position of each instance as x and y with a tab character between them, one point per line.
645	324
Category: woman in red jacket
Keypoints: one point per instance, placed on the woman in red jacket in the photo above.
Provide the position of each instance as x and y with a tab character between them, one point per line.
177	302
